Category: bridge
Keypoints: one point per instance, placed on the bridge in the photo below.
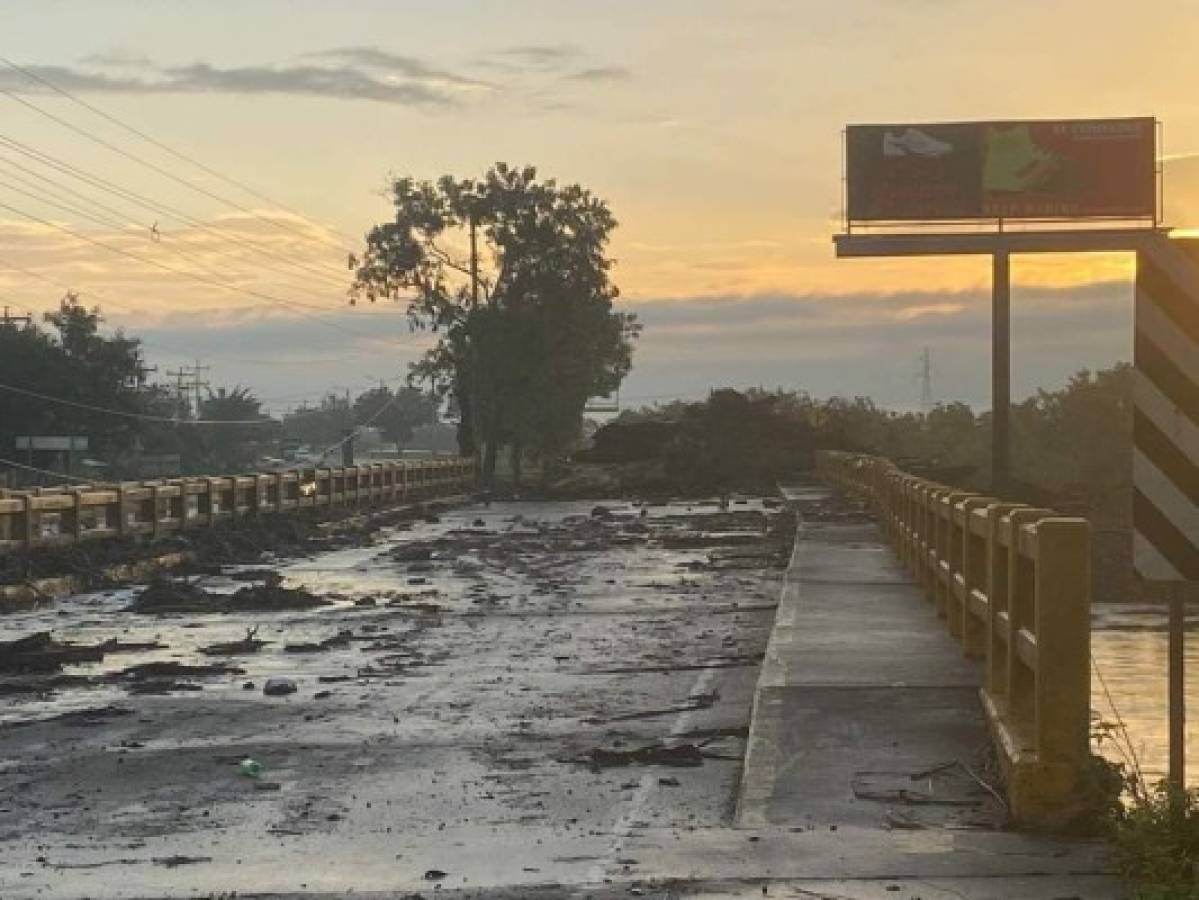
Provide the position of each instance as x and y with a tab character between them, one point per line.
920	721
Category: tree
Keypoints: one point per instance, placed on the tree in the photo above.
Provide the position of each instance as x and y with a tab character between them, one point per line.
397	415
521	348
238	444
320	426
74	363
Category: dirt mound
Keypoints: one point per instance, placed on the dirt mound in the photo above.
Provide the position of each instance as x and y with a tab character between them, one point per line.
41	653
166	595
271	596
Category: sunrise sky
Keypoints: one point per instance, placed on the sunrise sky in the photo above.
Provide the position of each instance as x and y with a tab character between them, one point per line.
712	129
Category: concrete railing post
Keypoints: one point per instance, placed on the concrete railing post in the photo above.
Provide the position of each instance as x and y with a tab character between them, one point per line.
972	583
1063	632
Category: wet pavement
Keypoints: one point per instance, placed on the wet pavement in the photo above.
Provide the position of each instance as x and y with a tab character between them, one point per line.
509	697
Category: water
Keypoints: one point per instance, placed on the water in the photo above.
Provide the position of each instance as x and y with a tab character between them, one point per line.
1129	644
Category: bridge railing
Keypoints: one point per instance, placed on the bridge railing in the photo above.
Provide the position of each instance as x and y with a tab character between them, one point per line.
1012	583
49	517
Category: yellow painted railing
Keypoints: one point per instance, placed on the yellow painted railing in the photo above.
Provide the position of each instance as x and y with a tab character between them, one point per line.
48	517
1012	583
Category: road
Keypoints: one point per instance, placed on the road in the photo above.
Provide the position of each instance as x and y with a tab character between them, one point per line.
508	697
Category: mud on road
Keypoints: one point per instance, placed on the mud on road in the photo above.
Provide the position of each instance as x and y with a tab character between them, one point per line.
497	698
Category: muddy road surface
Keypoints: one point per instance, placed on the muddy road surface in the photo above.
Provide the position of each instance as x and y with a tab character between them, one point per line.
489	704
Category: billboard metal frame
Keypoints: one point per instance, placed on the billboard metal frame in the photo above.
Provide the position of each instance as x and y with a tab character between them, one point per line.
998	225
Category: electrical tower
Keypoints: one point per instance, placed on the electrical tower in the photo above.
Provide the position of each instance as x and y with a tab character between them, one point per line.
926	380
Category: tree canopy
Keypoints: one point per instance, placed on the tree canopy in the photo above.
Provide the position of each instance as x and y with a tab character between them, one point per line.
397	414
522	346
238	444
76	363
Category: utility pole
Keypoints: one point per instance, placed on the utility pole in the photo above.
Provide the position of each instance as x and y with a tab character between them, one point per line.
1001	369
475	407
474	261
143	370
8	320
1177	682
180	375
197	383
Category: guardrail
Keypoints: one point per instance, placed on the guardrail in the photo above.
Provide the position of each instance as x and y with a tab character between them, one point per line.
49	517
1013	585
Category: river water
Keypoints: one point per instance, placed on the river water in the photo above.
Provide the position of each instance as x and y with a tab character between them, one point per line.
1129	646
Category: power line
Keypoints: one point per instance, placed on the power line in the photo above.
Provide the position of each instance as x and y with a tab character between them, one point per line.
156	345
119	226
144	417
17	465
250	292
353	434
109	117
107	300
55	189
165	209
65	207
133	157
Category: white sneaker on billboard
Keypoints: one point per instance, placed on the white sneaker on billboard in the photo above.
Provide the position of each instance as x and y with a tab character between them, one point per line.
911	142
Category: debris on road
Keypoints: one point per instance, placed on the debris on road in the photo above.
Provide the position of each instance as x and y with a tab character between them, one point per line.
249	644
341	639
680	755
271	596
41	653
168	595
279	687
165	595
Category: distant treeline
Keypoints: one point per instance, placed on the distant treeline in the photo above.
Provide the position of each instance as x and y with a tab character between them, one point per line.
1071	447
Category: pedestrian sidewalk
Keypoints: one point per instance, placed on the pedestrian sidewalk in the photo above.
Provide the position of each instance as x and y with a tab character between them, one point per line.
868	751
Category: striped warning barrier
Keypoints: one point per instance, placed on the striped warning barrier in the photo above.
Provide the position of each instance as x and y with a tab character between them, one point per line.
1166	412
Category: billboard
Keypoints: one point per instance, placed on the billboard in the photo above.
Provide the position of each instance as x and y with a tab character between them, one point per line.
1063	169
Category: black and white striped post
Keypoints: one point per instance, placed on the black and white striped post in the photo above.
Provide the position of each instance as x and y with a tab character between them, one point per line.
1166	447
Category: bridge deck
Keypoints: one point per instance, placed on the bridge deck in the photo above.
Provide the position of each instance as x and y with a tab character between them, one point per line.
867	723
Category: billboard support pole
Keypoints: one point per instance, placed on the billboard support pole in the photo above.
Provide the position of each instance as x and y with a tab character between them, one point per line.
1001	369
1177	696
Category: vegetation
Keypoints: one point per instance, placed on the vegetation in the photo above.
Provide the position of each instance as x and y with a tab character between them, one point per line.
1070	446
1156	839
98	374
72	361
526	326
397	414
237	445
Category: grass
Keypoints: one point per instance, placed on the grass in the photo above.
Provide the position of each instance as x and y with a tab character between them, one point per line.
1154	829
1156	837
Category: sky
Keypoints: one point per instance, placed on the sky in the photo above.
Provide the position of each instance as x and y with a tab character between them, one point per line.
712	129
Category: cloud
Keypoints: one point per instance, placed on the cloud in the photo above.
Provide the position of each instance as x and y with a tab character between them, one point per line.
601	73
542	55
562	60
404	81
119	59
409	66
869	343
358	72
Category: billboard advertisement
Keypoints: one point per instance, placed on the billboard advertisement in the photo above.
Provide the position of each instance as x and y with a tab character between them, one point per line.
1063	169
